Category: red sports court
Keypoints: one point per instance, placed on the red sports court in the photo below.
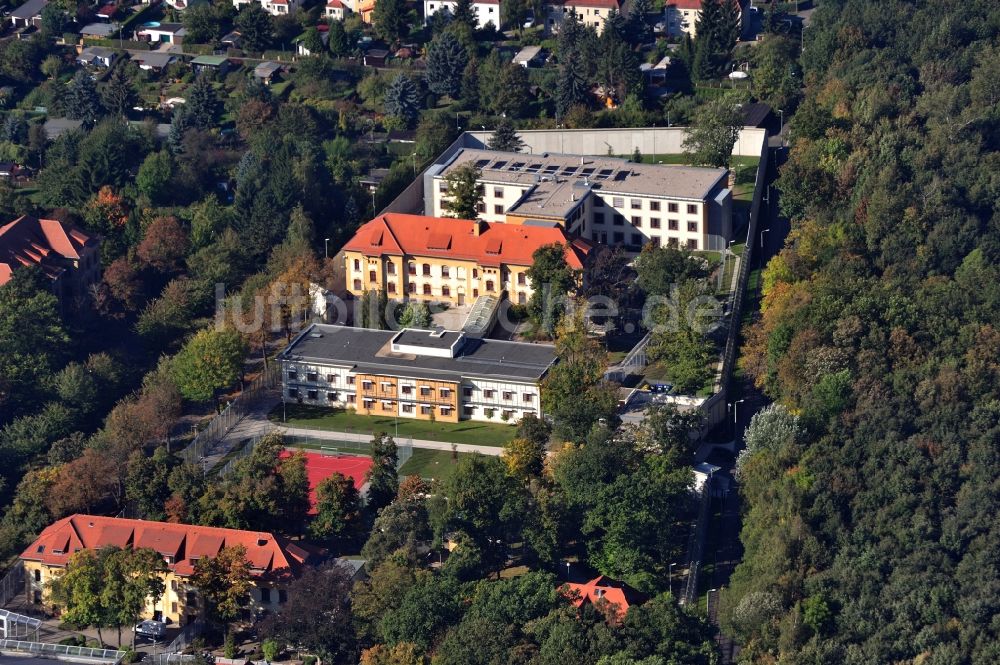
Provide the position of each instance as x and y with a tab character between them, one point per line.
320	466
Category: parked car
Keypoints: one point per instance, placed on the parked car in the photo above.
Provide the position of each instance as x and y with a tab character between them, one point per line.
153	629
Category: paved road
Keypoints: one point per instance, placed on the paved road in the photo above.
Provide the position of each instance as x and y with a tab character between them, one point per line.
329	435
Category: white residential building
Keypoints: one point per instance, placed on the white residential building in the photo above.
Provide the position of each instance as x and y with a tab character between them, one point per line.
335	10
273	7
486	11
606	200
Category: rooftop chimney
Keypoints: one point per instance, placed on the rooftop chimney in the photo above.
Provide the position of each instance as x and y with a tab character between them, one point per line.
478	227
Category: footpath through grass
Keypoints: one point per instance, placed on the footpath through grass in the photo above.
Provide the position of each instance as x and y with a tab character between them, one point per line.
339	420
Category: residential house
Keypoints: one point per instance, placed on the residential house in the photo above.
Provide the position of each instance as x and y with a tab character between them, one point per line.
373	179
302	49
364	8
56	127
606	200
529	56
181	5
274	562
155	61
267	72
100	30
29	14
590	12
436	259
335	10
169	33
107	12
681	16
211	63
486	11
273	7
69	257
13	171
613	595
439	374
375	57
96	56
231	39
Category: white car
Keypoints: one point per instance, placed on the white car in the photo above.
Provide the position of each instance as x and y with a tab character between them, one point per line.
152	629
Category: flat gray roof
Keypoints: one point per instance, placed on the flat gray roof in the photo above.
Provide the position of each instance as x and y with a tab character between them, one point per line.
370	351
428	339
605	174
99	29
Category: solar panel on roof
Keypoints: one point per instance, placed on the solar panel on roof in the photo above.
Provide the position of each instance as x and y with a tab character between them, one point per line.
480	163
516	166
550	169
569	170
500	165
587	171
605	172
621	175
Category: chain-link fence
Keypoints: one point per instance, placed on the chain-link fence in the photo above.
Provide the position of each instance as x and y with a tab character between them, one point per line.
232	414
349	444
12	583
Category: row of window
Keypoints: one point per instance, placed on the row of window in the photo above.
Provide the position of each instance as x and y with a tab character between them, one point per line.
427	290
424	391
637	240
654	222
636	204
426	271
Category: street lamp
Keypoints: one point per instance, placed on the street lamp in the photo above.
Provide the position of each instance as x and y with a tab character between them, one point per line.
326	247
671	577
762	240
781	125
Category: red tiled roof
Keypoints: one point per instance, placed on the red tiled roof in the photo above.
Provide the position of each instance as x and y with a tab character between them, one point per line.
415	235
619	594
335	4
43	242
270	557
107	10
684	4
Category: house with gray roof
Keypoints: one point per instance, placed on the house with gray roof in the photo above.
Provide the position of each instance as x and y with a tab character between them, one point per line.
28	14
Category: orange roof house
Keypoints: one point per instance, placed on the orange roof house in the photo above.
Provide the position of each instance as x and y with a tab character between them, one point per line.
272	559
52	245
618	595
447	238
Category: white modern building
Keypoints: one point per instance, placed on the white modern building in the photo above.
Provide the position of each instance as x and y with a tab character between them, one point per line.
605	200
422	374
590	13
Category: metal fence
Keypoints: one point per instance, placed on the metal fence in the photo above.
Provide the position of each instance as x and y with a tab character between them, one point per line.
636	359
696	544
12	583
186	636
349	444
172	659
61	651
232	414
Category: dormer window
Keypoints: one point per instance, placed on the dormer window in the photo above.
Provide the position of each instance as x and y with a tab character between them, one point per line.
41	549
169	558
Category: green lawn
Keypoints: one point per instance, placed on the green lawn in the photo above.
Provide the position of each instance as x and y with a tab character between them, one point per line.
428	464
466	431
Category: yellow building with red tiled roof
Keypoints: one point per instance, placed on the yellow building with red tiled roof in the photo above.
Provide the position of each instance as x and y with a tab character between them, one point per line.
274	562
438	259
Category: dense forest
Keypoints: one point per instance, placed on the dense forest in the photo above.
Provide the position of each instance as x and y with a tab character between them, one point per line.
871	530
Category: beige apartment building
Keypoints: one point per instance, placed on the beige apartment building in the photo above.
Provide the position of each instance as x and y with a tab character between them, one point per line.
605	200
681	16
434	259
421	374
590	13
273	562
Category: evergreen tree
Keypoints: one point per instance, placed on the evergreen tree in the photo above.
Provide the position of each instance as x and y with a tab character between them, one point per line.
301	231
573	85
640	29
118	95
202	104
81	100
256	27
313	42
446	61
402	99
382	478
505	138
465	15
618	69
178	123
337	41
464	193
389	20
716	34
15	129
